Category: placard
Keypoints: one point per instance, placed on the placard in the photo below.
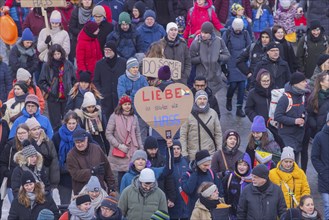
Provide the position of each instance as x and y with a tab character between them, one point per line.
43	3
164	111
152	65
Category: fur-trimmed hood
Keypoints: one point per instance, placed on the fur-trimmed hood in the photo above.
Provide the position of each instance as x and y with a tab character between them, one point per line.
21	160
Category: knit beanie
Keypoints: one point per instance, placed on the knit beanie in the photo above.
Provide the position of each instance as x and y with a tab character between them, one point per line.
124	18
147	176
297	78
112	45
32	123
288	153
177	143
55	17
88	100
27	35
151	143
285	4
207	27
315	24
27	177
46	214
202	156
261	171
82	199
160	215
23	75
231	132
323	58
237	24
235	8
31	98
149	13
132	62
139	154
85	76
164	73
140	6
93	184
258	124
22	85
171	25
272	45
110	202
99	10
200	93
124	99
28	149
90	27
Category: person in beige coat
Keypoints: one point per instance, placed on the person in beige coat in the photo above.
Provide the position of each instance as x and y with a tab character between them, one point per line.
193	135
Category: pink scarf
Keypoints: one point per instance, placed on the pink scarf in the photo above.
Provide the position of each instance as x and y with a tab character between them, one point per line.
124	125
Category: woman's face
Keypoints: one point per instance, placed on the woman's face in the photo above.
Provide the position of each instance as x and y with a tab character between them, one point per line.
91	108
279	34
140	164
135	13
35	132
72	124
308	206
93	194
27	43
325	83
257	135
84	206
55	25
231	141
265	81
287	163
126	107
177	151
18	91
201	2
106	212
86	3
134	70
32	160
214	195
84	85
57	55
325	65
243	167
29	187
22	134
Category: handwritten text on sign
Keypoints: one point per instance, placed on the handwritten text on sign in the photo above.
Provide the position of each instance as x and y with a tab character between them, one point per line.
164	111
152	65
43	3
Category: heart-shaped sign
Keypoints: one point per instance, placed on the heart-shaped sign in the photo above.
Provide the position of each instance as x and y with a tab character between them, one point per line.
164	111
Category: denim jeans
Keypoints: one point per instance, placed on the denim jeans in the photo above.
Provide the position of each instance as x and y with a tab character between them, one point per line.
241	85
325	199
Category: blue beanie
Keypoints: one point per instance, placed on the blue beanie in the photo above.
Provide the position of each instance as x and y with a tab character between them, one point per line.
258	124
27	35
149	13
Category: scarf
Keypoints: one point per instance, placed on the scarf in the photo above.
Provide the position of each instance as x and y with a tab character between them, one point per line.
298	90
18	99
78	214
310	216
133	77
264	187
323	95
93	122
83	91
172	43
66	143
209	204
198	110
61	91
28	52
245	178
316	39
31	196
84	15
262	91
143	191
111	61
286	170
230	151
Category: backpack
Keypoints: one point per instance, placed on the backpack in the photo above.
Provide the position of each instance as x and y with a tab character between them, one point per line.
276	94
228	37
325	44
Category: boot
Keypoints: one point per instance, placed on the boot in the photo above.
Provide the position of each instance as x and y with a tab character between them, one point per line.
240	113
229	104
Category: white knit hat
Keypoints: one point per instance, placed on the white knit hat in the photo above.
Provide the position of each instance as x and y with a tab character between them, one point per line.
147	176
285	4
288	153
88	100
32	123
171	25
237	24
23	75
55	17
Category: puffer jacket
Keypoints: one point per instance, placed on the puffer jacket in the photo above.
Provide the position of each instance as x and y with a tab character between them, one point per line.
148	35
5	81
296	181
194	138
136	206
264	21
200	212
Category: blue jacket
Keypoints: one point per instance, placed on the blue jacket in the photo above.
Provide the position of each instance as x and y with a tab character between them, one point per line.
5	81
246	25
127	86
19	14
149	35
43	120
264	21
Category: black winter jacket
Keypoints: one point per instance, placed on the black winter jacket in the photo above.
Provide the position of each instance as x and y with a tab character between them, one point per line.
6	82
5	157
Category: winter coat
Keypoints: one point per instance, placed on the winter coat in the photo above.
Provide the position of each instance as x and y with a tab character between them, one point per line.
35	21
38	172
296	181
217	162
264	21
10	113
106	81
147	35
279	70
128	43
212	100
21	57
129	5
235	44
88	52
256	205
17	13
79	164
49	79
3	136
19	212
116	7
287	53
307	59
178	50
285	18
317	120
60	37
246	25
194	138
223	9
105	28
207	56
291	134
200	212
136	206
320	158
317	71
43	120
5	81
121	164
197	17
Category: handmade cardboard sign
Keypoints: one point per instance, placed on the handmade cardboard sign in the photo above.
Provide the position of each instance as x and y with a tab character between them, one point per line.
152	65
164	111
43	3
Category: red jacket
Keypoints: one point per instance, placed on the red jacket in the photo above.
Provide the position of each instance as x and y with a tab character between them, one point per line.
222	9
199	16
88	53
66	15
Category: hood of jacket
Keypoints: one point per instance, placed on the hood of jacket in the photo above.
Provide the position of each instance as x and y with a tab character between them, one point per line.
27	115
268	32
225	136
208	4
245	157
21	160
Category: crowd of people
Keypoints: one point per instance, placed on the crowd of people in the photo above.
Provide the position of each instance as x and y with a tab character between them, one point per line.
68	119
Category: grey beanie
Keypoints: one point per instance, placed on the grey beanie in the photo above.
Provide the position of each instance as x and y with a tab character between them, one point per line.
28	149
199	94
139	154
93	184
46	214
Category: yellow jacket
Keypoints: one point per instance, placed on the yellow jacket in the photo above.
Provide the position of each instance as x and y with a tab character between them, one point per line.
296	181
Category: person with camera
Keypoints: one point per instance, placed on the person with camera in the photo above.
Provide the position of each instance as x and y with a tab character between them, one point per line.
87	159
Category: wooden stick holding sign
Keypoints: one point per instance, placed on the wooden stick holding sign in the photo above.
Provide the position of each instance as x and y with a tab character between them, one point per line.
151	67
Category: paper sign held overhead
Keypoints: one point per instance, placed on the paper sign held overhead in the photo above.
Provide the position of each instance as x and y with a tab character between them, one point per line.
164	111
43	3
152	65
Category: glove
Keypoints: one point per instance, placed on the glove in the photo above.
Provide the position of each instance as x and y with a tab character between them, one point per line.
98	170
123	148
48	39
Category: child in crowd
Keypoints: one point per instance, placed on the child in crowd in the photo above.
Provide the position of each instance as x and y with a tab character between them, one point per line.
238	11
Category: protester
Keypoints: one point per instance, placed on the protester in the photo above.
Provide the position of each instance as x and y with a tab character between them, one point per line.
322	65
305	210
105	27
109	209
95	191
5	80
79	208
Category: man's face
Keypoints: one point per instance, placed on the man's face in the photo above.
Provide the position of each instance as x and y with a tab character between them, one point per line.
106	212
140	164
316	32
172	34
199	85
147	186
27	43
98	18
108	53
273	53
81	145
31	108
201	102
124	26
301	85
149	21
152	152
257	181
205	166
264	39
205	36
